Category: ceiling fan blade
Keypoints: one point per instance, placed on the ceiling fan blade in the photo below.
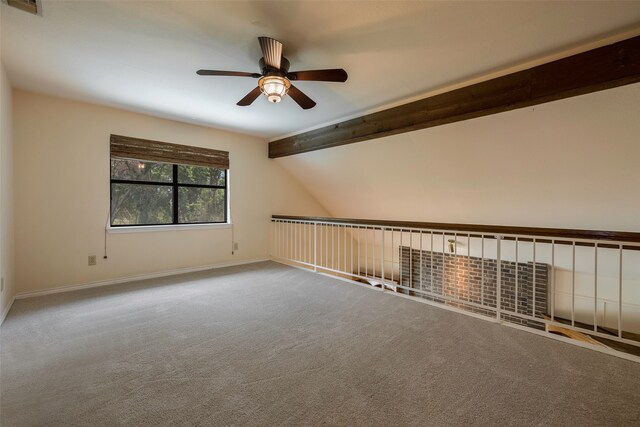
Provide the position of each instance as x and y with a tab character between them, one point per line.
335	75
250	97
227	73
271	51
301	99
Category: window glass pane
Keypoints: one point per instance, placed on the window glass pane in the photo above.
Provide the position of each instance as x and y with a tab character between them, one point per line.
201	175
137	204
139	170
201	205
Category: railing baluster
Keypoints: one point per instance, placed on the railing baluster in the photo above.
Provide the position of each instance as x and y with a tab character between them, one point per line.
351	234
400	260
455	263
366	251
411	285
322	245
307	248
359	240
393	255
595	287
468	267
499	278
310	242
620	295
517	294
553	280
421	277
573	284
339	258
289	241
326	246
431	269
482	271
444	276
382	257
299	241
344	231
333	247
307	238
373	252
315	246
534	279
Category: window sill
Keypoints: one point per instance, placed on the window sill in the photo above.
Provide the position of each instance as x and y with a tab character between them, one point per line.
172	227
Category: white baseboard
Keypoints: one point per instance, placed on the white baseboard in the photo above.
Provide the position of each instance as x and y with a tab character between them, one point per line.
126	279
6	310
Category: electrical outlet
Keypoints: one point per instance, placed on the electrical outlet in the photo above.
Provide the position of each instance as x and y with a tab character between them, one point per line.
235	246
92	260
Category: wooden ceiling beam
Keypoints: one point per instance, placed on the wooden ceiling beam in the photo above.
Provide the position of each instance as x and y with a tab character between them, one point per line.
603	68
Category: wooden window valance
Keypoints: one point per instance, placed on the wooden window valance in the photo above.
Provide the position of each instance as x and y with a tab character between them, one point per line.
125	147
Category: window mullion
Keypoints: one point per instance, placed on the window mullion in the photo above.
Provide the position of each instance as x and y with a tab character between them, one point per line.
188	185
132	182
175	194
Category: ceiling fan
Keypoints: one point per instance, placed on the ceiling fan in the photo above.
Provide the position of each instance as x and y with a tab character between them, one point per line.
275	80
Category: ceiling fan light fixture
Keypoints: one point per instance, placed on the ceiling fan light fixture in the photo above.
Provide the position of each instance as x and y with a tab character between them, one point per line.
275	79
274	87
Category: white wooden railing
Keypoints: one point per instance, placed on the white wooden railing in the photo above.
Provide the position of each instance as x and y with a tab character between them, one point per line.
573	283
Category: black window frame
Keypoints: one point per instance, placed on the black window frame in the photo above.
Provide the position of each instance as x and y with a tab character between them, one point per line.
175	189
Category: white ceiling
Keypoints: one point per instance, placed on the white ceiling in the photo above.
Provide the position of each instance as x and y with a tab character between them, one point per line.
142	55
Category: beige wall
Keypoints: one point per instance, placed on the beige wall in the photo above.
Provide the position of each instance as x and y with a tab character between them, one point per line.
62	196
571	163
6	195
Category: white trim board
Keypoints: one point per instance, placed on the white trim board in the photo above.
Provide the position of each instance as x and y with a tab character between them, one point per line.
134	278
6	311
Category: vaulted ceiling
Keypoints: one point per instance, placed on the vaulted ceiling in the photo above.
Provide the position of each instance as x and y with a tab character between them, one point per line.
142	56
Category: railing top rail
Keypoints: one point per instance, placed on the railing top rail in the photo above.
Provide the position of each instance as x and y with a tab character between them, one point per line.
563	233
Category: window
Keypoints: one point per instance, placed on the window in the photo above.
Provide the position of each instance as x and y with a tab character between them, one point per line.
150	192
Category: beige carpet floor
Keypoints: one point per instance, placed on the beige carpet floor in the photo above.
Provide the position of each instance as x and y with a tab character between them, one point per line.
270	345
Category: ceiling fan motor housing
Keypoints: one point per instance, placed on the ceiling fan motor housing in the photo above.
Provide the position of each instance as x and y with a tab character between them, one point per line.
284	67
